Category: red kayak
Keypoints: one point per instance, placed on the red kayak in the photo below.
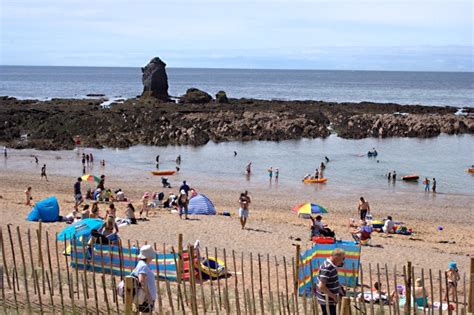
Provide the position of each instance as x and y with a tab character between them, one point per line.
163	173
411	177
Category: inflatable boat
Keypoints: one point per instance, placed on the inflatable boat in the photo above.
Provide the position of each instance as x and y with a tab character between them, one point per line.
470	170
163	173
412	178
314	181
212	268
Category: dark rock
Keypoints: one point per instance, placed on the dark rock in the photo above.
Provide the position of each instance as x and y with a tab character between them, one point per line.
195	96
95	95
221	97
155	80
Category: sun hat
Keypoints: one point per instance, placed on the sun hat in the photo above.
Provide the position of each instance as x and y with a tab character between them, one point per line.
453	265
182	192
146	251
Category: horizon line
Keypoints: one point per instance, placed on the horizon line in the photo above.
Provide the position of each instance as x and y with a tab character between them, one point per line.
230	68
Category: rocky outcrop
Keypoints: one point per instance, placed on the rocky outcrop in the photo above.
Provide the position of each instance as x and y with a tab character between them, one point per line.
195	96
221	97
155	80
53	124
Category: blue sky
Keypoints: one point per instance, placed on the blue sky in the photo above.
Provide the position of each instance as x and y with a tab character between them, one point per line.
367	35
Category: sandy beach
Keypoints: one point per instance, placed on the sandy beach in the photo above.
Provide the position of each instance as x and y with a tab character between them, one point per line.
272	228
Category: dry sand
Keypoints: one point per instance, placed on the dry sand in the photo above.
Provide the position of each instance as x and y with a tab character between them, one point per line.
272	228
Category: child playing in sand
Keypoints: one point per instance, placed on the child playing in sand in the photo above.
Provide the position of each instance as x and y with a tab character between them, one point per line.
452	274
28	196
145	207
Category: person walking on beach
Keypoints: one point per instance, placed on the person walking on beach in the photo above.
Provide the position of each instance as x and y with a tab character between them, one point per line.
101	184
178	159
5	153
427	184
277	174
235	153
363	208
244	202
83	159
36	160
452	275
145	207
43	172
91	158
183	203
28	196
146	279
77	193
270	172
433	186
328	285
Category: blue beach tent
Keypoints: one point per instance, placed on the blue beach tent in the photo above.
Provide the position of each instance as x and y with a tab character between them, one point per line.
46	210
200	204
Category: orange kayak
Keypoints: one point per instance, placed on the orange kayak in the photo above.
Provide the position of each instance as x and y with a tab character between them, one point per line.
315	181
411	177
163	173
470	170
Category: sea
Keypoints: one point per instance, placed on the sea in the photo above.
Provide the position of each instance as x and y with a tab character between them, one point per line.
426	88
445	158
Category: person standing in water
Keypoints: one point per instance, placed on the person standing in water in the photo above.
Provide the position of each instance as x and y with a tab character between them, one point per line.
43	172
270	173
394	176
36	160
427	184
178	159
157	159
5	151
389	176
277	174
235	153
433	186
248	169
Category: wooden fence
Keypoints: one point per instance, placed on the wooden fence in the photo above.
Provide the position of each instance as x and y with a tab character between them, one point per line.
37	277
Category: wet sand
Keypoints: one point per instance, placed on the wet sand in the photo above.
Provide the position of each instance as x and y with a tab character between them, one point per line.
272	228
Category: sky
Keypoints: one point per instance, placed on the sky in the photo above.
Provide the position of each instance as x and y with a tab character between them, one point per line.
418	35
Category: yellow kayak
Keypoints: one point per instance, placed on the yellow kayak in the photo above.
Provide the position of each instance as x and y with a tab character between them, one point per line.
315	181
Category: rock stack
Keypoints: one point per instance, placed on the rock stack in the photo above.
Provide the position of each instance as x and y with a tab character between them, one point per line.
155	80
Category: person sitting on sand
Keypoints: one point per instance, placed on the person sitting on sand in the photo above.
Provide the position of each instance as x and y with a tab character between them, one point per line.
109	230
363	233
120	195
111	210
130	213
388	225
452	274
28	196
145	208
94	213
97	195
85	213
318	228
108	195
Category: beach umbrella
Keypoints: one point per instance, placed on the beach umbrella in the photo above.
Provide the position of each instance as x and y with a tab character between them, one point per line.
90	178
308	209
80	228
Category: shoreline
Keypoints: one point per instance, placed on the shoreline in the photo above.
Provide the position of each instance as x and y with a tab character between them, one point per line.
148	121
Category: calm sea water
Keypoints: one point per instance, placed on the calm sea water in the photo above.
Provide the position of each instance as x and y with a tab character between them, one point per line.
445	157
428	88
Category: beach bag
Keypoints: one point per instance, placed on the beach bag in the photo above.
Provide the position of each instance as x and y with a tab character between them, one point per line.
137	292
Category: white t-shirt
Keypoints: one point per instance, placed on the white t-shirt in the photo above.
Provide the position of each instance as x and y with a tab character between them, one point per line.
142	268
388	226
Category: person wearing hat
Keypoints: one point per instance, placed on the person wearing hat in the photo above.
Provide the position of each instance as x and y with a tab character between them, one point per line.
452	274
146	279
183	202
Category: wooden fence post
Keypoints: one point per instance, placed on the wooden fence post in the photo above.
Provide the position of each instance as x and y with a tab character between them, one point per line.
470	303
128	295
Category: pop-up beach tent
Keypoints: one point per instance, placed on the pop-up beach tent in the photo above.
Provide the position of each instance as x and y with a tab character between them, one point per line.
46	210
200	204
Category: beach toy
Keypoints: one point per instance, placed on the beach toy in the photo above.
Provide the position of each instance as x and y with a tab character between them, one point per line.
315	181
440	228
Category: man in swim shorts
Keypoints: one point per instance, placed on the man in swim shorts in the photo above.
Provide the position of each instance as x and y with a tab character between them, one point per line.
244	202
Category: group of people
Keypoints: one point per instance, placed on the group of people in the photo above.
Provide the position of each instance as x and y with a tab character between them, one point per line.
427	184
271	171
318	172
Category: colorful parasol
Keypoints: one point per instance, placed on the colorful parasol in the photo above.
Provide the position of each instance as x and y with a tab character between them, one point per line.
90	178
309	208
